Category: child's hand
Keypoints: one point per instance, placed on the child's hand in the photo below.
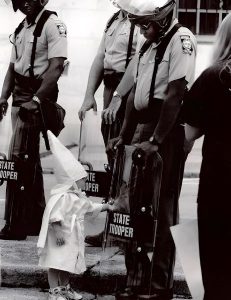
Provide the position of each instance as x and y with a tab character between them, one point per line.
60	240
111	207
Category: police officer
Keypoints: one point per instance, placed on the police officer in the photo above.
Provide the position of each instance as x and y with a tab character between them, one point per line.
117	47
30	81
152	123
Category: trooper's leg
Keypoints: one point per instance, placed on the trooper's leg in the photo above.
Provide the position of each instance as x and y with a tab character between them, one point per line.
23	213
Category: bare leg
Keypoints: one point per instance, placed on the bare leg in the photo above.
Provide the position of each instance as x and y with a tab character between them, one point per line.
53	278
64	278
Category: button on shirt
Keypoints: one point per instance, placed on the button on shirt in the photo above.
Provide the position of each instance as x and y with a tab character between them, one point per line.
52	43
115	44
177	63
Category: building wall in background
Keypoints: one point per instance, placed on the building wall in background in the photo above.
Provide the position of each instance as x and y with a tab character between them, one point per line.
202	16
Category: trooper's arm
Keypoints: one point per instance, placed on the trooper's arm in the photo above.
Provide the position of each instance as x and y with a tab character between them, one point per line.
128	128
50	79
94	80
8	86
126	84
169	113
127	81
170	108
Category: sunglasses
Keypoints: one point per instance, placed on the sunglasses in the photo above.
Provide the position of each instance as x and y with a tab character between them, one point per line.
144	26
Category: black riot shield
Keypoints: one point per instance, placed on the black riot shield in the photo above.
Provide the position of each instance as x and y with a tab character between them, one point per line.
130	230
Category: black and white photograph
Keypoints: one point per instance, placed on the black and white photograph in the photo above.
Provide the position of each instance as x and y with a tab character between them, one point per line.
115	149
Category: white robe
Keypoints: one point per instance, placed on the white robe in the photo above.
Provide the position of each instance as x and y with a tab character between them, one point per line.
69	208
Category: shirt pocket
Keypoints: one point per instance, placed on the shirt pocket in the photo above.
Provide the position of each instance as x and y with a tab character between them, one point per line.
40	45
125	30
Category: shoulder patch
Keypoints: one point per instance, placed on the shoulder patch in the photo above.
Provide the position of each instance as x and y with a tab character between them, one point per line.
62	29
186	44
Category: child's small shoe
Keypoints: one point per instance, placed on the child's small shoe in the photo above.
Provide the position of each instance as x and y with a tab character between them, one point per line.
56	294
71	294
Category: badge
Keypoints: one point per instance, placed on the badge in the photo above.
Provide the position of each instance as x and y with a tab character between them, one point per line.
62	29
186	44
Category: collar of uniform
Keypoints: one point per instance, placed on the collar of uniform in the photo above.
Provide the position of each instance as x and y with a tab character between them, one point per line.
36	19
121	16
174	22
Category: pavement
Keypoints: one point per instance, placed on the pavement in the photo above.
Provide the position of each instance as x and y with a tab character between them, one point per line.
21	278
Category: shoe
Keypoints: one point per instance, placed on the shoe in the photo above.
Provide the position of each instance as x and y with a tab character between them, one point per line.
12	236
56	294
95	240
5	229
156	295
126	294
69	293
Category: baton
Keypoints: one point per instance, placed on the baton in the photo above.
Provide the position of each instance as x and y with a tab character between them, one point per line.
44	129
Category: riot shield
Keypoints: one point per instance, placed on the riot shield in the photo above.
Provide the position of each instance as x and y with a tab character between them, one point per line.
92	155
130	230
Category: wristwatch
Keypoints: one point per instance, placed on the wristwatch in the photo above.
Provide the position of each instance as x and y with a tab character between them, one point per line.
36	99
116	94
153	141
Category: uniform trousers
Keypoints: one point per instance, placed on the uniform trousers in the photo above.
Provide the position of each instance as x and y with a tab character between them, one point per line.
25	201
144	273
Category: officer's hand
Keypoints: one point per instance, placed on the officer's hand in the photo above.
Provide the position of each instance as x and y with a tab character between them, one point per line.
113	145
31	106
3	108
89	103
147	147
109	114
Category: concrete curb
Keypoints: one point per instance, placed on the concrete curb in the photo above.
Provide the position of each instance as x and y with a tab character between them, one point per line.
19	269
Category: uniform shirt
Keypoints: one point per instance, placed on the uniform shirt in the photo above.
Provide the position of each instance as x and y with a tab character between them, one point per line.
178	62
115	44
52	43
207	106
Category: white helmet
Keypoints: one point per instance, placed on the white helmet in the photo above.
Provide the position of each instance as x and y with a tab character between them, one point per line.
114	2
155	10
16	2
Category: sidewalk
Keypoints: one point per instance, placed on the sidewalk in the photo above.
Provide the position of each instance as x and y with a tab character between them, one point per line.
19	269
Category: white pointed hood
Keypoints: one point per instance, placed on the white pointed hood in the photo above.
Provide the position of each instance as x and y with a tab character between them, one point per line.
66	167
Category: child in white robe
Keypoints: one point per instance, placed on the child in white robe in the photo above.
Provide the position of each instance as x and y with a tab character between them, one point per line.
61	239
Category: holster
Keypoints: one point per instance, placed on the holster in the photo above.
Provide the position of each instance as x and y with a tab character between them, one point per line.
112	78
